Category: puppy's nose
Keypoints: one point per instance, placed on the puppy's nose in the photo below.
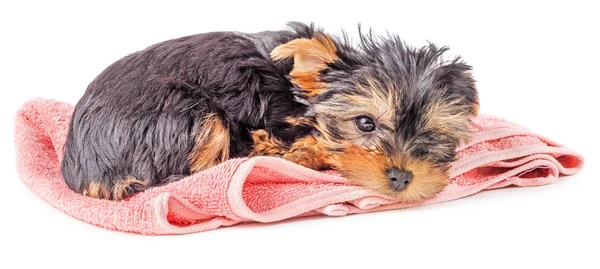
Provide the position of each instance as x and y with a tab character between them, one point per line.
399	179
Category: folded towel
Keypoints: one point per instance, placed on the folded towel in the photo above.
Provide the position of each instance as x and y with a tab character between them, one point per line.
267	189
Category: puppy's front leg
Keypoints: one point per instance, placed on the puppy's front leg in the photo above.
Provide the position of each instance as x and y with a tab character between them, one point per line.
305	151
266	145
308	152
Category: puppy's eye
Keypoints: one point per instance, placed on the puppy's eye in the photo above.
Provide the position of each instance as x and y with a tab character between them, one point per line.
365	124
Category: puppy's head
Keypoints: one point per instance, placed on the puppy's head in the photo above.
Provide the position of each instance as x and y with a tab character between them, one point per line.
390	117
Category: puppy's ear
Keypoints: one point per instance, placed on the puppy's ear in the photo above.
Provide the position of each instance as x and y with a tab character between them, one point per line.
459	86
311	56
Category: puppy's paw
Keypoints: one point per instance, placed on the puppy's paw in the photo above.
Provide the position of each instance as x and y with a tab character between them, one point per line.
266	145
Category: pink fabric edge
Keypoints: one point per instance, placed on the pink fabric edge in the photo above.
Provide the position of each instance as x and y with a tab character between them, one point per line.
339	201
341	195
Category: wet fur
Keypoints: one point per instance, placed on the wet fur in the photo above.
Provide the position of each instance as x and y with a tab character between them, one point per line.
187	104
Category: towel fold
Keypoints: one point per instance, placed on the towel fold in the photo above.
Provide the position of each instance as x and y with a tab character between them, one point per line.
267	189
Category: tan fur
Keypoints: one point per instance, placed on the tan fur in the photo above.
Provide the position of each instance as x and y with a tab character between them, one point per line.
450	117
379	100
427	181
309	152
372	101
360	158
367	168
311	56
362	166
120	188
306	151
266	145
212	145
299	121
476	109
96	190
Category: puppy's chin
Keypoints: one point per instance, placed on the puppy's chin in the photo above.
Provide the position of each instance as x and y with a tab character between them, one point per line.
422	187
367	169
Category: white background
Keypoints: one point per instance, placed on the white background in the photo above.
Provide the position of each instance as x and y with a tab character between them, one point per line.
536	63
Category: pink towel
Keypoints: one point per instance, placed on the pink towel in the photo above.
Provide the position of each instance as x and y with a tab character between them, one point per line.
266	189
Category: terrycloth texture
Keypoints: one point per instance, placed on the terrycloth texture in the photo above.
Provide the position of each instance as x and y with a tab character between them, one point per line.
266	189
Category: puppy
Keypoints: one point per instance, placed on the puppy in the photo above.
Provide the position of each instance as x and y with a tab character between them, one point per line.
386	116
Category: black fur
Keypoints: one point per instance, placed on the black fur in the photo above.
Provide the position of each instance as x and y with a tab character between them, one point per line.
420	77
138	118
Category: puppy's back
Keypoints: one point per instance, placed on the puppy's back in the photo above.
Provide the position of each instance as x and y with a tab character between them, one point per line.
135	125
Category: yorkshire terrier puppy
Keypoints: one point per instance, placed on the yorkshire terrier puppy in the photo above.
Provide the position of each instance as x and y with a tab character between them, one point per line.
386	116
